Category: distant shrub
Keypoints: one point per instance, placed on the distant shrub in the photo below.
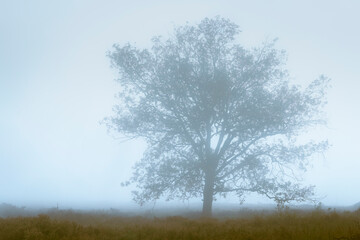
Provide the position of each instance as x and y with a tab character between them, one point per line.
8	210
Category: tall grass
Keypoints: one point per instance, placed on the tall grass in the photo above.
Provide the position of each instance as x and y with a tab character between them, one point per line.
287	225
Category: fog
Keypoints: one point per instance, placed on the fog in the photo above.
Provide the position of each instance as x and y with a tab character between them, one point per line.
56	86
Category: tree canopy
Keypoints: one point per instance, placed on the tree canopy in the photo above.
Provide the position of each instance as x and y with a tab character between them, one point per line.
217	118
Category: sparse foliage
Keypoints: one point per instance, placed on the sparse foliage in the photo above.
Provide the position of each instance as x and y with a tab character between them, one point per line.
217	118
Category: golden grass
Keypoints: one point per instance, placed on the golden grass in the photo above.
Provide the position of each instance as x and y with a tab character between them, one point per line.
288	225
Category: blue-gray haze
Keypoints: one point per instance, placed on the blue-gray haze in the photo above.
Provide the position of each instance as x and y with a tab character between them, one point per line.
56	84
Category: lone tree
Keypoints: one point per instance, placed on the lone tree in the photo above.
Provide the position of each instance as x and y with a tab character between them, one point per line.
217	118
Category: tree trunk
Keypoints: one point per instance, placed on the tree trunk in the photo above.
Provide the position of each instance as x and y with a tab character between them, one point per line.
208	192
208	198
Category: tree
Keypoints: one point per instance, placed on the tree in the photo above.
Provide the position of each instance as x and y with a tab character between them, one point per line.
217	118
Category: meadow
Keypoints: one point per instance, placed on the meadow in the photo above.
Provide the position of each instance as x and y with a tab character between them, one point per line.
248	225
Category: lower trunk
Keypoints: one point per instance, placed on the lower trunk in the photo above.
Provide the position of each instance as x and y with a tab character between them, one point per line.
208	195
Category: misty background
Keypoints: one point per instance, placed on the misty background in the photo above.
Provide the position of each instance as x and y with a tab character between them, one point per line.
56	85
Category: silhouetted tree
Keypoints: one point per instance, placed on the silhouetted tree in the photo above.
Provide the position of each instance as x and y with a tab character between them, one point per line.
217	118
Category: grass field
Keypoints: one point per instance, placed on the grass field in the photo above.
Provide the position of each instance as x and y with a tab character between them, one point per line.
251	225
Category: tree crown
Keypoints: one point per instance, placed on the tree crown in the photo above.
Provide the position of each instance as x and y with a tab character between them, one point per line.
206	104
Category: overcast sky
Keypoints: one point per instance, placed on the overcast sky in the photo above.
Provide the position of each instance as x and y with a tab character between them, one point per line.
56	85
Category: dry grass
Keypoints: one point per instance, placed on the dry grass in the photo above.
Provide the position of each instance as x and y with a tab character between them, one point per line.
316	225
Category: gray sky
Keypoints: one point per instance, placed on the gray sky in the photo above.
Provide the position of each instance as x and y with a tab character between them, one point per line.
56	84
